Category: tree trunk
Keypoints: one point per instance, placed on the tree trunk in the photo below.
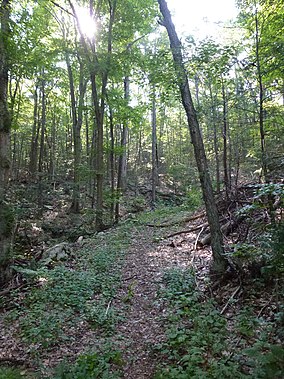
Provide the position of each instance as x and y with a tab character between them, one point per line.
41	150
112	164
35	134
122	162
77	121
154	149
219	260
261	100
215	139
98	100
225	143
6	213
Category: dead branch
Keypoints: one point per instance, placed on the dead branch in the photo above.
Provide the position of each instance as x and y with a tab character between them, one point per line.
230	299
226	229
187	230
183	220
197	238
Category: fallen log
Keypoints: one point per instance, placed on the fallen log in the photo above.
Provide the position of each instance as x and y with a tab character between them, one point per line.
226	229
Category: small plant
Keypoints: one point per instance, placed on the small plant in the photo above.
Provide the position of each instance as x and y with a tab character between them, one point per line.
62	297
92	366
197	337
247	323
267	360
12	373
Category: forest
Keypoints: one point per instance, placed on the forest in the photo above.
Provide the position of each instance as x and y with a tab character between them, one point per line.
141	192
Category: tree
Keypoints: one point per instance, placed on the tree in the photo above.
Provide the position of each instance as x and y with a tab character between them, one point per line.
263	22
6	218
220	262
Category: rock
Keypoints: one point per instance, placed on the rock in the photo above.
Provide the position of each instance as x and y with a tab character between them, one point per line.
59	252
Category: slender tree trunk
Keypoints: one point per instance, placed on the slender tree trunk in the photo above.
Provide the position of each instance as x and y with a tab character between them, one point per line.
35	134
122	161
77	121
52	149
154	149
112	164
100	121
6	218
219	260
41	150
261	99
225	143
215	139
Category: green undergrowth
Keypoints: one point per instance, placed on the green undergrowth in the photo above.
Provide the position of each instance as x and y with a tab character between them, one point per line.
92	365
164	215
13	373
163	219
64	300
202	343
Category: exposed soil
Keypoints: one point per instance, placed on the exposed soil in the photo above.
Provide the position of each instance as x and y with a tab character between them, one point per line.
144	326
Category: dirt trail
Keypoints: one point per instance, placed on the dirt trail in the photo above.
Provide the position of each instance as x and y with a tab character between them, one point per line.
144	326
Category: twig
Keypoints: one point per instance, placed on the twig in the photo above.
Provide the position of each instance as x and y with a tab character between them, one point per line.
108	306
195	246
196	241
228	302
129	277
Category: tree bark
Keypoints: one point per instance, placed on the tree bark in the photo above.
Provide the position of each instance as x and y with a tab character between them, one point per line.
261	99
215	139
154	148
122	162
225	143
6	214
41	149
77	121
219	260
35	134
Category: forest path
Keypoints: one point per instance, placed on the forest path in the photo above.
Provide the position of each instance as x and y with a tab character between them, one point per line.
139	300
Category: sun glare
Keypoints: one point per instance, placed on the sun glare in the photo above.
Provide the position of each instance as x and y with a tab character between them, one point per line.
87	22
203	17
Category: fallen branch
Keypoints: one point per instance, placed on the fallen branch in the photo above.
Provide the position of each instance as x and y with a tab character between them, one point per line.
202	226
197	238
230	299
226	229
183	220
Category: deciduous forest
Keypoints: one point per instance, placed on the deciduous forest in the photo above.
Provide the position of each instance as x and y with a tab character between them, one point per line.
141	192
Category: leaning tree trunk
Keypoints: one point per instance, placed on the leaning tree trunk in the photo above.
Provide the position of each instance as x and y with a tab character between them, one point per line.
6	213
219	260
